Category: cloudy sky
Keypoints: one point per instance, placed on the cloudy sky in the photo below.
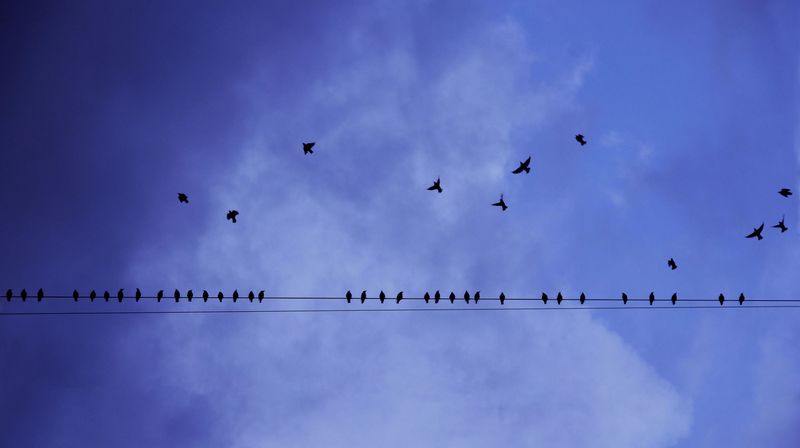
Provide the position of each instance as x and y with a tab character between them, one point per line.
108	109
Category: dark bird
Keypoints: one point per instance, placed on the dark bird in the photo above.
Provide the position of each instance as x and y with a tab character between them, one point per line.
183	198
307	148
502	298
583	298
9	295
579	138
624	299
235	295
544	298
757	232
160	295
477	296
348	296
231	216
363	296
652	298
741	298
523	166
120	295
75	295
23	294
671	263
205	296
785	192
721	299
177	295
260	296
138	294
437	186
452	297
781	225
466	296
92	295
220	296
399	296
437	297
251	296
501	203
427	297
674	298
382	296
559	298
189	295
39	295
106	296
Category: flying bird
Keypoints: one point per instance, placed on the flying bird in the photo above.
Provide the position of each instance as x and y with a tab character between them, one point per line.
363	296
544	298
624	299
9	295
427	297
39	295
652	298
437	296
785	192
251	296
189	295
348	296
399	296
559	298
523	166
579	138
477	296
260	296
583	298
92	295
452	297
757	232
231	216
501	203
307	148
235	295
120	295
741	298
75	295
781	225
23	294
502	298
106	296
382	296
177	295
183	198
220	296
466	296
138	294
671	263
721	299
205	296
437	186
674	298
160	295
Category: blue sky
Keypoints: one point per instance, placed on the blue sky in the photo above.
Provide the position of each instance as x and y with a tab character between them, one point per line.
690	110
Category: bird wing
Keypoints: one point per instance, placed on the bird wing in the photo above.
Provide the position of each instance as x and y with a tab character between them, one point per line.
527	161
519	170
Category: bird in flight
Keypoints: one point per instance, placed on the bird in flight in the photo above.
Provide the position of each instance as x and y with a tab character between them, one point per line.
671	263
437	186
183	198
523	166
579	138
307	148
231	216
757	232
781	225
501	203
785	192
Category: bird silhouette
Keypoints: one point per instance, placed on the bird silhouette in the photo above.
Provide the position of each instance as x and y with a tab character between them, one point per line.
177	295
399	296
348	296
235	295
466	296
437	186
120	295
757	232
23	294
382	296
9	295
231	216
559	298
781	225
671	263
92	296
189	295
674	298
39	295
220	296
477	296
205	296
363	296
583	298
106	296
501	203
75	295
183	198
624	299
160	295
741	298
437	297
427	297
652	298
785	192
721	299
260	296
544	298
138	294
523	166
251	296
452	297
307	148
502	298
580	139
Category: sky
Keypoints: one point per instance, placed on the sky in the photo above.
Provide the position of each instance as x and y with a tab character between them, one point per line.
109	109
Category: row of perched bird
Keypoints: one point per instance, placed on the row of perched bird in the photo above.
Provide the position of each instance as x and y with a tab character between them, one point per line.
138	295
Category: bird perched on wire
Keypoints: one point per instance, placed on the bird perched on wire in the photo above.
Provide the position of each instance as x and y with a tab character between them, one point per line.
466	296
159	295
652	298
785	192
307	148
501	203
427	297
399	296
23	294
231	216
721	299
348	296
437	297
671	263
580	139
235	295
9	295
260	296
138	294
624	299
189	295
781	225
544	298
92	296
177	295
502	298
39	295
583	298
674	298
251	296
437	186
120	295
205	296
182	198
452	297
757	232
75	295
220	296
363	296
381	296
106	296
559	298
741	298
523	166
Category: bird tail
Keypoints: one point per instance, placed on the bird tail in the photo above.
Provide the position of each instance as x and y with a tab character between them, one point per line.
439	189
527	169
760	237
